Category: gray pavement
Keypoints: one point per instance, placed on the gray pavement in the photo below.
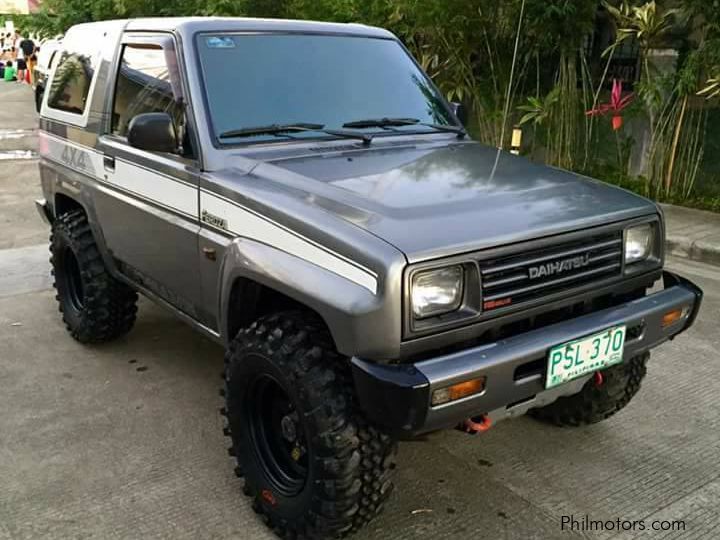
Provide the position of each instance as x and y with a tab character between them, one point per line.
18	107
19	183
19	221
124	440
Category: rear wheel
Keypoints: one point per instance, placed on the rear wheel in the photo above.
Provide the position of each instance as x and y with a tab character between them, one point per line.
597	401
95	306
312	465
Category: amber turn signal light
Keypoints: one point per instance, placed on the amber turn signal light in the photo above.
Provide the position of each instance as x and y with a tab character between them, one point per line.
673	316
458	391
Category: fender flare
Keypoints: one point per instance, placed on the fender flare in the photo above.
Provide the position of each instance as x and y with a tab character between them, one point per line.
80	190
359	321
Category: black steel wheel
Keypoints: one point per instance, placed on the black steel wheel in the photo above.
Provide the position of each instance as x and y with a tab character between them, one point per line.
278	434
72	279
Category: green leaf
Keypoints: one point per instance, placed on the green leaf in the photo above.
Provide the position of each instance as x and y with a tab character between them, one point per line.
528	117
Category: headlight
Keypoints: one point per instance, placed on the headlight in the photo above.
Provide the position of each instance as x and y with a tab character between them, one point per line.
639	243
434	292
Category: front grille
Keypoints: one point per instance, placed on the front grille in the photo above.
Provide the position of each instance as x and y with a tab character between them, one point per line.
513	279
505	330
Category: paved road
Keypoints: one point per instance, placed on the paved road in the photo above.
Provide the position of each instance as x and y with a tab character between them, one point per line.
124	440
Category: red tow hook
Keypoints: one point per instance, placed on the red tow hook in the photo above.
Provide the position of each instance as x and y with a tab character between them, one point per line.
599	379
476	424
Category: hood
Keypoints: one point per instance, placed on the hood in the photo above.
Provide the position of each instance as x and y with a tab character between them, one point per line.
433	201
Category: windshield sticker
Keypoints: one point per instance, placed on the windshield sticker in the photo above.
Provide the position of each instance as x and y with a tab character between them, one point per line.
220	42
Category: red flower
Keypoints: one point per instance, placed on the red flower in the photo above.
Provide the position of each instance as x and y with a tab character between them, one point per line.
616	105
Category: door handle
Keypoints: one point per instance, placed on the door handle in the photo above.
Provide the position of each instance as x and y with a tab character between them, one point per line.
209	253
109	163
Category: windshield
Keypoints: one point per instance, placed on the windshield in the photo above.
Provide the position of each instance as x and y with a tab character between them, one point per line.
260	80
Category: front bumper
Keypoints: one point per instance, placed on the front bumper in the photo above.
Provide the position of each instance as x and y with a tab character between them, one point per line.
398	396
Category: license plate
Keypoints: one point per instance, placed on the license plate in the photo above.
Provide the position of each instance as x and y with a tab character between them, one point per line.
582	356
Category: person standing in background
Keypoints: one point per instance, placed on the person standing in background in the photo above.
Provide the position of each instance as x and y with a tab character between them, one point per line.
27	46
20	64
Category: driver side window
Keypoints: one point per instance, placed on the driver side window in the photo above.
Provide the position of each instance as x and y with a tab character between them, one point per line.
148	81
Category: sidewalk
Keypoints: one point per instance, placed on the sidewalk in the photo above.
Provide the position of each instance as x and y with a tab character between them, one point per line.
692	234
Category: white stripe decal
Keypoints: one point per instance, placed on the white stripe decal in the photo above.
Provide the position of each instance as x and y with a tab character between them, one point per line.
250	225
75	156
155	187
183	198
138	180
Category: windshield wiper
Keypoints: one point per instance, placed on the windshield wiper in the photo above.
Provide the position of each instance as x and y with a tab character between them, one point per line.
280	129
396	122
381	122
268	130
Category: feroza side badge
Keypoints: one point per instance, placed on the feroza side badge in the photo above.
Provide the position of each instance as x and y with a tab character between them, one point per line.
213	220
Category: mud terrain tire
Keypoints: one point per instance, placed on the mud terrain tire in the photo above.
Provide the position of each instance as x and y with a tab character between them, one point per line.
595	403
95	306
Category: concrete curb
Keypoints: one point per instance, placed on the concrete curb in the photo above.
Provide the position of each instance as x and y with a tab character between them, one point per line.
696	250
692	234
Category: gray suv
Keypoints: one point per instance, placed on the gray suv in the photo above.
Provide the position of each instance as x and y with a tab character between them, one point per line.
302	193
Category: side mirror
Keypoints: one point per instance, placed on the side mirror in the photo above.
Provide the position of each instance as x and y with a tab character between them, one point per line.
153	131
460	111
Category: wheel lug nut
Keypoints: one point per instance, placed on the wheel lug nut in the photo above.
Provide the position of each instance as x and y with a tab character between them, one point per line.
289	431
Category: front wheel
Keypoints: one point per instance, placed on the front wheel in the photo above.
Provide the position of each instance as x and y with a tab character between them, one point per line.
596	402
312	465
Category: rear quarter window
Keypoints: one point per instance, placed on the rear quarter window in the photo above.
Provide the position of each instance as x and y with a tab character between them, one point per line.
71	84
74	71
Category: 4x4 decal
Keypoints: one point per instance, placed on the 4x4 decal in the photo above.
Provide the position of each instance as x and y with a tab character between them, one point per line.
75	158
